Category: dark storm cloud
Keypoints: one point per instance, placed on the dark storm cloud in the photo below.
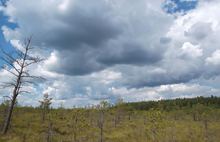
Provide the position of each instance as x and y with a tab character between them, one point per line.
87	60
93	29
76	62
163	79
165	40
162	73
130	53
92	36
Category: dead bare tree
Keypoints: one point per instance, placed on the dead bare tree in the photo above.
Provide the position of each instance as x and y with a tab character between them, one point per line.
17	65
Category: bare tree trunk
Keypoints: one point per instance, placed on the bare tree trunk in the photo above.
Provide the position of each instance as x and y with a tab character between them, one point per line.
43	117
13	101
9	115
101	138
21	76
101	124
49	133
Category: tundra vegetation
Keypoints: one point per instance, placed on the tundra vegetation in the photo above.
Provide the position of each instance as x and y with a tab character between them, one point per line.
179	120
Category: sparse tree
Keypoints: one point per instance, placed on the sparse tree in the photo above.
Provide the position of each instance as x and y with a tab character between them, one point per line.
102	108
45	105
17	64
119	111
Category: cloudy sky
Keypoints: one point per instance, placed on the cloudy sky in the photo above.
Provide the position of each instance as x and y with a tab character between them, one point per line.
108	49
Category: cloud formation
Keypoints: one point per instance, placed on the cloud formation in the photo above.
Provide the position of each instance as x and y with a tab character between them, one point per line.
102	49
97	33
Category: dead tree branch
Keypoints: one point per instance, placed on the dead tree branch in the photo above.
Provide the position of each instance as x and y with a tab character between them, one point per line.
17	66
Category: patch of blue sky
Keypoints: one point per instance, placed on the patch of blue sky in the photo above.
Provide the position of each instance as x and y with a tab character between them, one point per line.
5	45
179	6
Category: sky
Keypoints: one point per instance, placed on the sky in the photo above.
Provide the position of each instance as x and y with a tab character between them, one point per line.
115	49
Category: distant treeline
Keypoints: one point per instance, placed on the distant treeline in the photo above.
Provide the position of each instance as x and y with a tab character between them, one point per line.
179	103
166	105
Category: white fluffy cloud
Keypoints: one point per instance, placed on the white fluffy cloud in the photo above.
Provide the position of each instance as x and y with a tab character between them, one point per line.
165	92
191	50
214	58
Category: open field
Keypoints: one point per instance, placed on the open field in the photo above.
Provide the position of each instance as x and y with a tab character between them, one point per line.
182	120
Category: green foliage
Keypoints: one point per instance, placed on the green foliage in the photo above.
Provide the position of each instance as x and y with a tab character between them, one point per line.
168	105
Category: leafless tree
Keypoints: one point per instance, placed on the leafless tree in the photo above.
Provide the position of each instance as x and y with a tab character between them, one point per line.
17	65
